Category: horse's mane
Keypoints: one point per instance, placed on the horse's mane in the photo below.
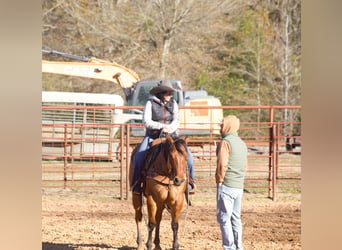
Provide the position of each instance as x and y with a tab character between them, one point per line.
171	150
180	145
172	145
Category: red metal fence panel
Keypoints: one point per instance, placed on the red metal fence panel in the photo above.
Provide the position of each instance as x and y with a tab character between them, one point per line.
94	152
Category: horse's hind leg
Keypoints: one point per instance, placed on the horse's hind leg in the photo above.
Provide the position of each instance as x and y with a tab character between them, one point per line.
151	227
137	204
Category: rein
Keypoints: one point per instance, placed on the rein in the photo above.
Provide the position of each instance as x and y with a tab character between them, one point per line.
171	182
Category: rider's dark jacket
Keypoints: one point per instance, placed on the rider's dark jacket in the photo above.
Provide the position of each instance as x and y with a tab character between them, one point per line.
161	113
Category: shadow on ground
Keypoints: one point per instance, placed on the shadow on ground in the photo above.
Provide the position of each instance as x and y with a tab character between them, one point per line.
64	246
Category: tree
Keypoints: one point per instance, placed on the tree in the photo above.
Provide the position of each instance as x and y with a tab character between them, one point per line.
157	39
244	52
261	55
286	17
247	57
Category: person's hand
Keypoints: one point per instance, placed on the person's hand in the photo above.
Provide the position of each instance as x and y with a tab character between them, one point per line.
167	129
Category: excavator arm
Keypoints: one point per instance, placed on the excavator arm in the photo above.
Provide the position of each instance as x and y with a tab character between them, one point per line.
91	67
137	92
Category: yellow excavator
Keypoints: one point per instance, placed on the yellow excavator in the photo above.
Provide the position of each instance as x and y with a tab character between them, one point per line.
195	116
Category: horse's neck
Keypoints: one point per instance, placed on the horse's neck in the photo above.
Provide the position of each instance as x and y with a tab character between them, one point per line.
156	163
158	166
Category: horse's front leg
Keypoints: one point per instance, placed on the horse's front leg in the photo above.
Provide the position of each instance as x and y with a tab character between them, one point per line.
159	215
137	204
175	213
174	226
151	208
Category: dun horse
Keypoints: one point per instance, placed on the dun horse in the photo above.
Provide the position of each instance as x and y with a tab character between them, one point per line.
164	186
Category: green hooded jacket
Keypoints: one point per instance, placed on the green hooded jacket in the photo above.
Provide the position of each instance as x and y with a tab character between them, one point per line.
237	161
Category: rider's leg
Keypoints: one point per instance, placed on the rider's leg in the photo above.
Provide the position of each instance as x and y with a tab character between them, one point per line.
190	163
138	162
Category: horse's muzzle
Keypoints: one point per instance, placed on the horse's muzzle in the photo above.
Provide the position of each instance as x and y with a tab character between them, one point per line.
177	181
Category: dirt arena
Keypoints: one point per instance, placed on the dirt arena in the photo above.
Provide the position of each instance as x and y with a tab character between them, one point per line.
85	220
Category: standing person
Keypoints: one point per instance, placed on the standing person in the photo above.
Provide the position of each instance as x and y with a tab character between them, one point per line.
160	116
230	173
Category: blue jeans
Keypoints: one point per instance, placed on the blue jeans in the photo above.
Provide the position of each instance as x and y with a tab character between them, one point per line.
190	163
228	212
139	160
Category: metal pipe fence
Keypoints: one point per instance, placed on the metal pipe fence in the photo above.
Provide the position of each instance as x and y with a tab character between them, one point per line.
95	153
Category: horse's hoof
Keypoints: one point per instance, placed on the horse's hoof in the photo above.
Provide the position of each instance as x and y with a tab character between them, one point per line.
175	247
140	247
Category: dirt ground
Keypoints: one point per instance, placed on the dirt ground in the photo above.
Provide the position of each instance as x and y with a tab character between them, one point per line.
79	220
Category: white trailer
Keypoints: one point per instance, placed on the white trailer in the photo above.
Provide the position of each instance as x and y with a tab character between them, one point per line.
70	125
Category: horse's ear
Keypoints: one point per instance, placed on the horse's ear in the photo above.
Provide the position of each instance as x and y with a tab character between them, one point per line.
187	139
169	139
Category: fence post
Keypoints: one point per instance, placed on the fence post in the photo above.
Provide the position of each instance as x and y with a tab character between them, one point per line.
65	158
127	159
270	155
110	140
270	163
277	150
122	135
274	161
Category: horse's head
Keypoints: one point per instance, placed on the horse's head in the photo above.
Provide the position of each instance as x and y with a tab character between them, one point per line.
176	155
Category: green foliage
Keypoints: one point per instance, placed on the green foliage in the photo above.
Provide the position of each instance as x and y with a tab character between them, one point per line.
203	79
235	53
148	25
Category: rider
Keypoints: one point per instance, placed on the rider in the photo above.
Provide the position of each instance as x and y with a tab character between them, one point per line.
160	116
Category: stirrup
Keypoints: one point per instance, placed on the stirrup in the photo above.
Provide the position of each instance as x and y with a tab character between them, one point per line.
135	186
187	198
192	188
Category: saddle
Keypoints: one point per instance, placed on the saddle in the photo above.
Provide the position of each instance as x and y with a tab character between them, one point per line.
150	156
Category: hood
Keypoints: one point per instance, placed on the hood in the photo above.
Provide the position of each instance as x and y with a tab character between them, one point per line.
230	124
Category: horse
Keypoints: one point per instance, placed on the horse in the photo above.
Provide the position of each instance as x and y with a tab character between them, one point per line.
164	185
